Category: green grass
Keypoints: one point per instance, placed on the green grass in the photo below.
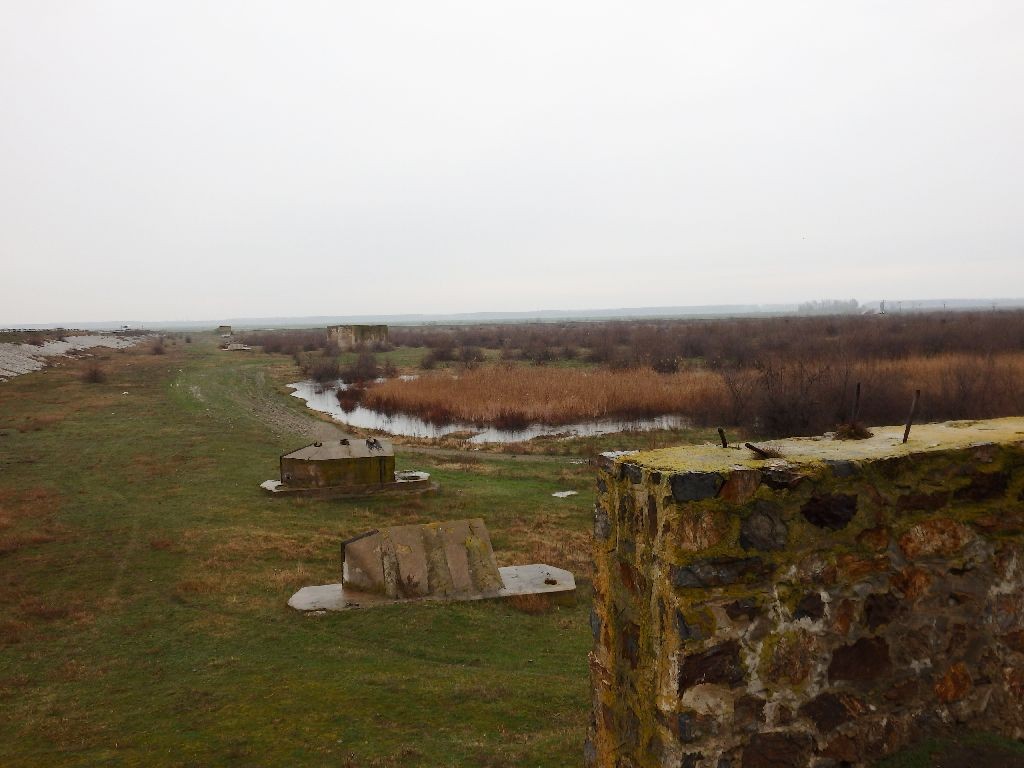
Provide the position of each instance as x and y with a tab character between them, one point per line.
403	358
144	582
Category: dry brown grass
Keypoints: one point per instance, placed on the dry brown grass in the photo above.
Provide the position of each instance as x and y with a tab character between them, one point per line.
773	398
38	608
248	546
27	518
531	604
221	567
37	423
13	631
546	538
196	585
288	578
506	394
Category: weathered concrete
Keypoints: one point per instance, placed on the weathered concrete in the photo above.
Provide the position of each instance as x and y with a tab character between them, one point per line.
343	466
349	337
442	559
450	560
823	609
517	580
338	463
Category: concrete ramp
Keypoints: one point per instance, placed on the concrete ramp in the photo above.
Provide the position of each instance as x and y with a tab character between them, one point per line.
434	561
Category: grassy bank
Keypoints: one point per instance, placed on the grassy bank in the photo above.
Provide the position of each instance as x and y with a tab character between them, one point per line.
144	581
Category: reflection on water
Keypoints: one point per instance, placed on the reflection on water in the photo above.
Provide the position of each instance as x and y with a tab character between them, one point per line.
325	399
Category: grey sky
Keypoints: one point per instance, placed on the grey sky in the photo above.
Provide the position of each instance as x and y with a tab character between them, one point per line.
185	160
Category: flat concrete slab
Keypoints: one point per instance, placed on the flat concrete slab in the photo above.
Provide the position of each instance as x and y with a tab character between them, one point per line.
536	579
328	597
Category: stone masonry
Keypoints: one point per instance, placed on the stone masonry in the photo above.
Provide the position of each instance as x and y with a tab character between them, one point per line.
349	337
825	608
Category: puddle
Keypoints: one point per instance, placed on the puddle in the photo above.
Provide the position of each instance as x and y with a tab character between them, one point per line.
325	399
564	494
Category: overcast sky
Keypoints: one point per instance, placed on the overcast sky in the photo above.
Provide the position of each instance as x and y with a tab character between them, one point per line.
202	160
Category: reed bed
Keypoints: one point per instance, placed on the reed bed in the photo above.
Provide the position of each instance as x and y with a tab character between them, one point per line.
501	393
772	397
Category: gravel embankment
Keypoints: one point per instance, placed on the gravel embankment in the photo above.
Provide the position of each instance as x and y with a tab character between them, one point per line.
16	359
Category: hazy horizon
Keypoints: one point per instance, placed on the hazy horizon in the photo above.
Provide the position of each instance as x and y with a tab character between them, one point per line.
192	161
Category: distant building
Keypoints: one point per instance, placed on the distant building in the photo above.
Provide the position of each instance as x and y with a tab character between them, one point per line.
355	336
224	330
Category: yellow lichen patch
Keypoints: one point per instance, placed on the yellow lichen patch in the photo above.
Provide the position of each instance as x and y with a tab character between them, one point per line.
886	442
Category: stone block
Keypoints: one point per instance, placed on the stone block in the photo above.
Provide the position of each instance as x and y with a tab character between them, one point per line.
831	511
695	486
719	572
763	529
720	664
940	536
866	660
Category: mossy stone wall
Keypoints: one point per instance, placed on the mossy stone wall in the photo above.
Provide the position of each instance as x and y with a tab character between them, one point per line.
823	609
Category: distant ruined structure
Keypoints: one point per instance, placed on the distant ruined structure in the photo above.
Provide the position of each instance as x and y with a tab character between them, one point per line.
822	609
349	337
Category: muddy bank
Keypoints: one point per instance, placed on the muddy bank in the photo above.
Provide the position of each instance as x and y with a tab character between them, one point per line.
16	359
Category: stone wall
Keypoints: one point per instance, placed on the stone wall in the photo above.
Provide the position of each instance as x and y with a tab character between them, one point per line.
825	608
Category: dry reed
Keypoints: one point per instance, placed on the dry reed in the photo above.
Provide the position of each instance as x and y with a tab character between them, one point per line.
503	393
775	398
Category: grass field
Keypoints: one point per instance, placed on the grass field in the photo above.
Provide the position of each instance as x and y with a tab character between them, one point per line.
144	581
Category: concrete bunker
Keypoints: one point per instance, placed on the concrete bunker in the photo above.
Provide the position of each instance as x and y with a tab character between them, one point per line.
341	466
451	560
349	337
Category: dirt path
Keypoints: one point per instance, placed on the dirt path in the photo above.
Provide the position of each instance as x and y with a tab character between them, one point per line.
259	397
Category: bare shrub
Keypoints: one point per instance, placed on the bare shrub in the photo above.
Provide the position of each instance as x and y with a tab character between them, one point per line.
323	370
287	342
364	369
94	374
531	604
739	342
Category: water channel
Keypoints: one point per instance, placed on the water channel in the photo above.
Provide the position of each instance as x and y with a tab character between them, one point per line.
324	398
